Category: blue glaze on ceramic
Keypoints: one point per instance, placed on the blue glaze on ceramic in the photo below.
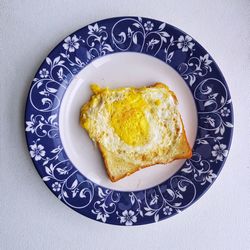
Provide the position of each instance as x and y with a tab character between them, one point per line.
202	76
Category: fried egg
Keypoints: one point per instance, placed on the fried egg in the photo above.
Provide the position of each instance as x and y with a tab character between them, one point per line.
137	125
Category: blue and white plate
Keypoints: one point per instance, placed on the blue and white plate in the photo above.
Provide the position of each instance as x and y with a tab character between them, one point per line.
127	51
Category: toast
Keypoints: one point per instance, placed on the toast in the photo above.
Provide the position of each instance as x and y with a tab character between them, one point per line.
122	158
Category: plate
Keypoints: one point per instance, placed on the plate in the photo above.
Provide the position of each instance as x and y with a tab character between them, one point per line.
127	51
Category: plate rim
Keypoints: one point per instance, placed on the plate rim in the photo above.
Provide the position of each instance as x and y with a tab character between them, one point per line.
229	139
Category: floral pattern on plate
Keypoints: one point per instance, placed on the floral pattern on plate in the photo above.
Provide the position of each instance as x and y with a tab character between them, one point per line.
201	74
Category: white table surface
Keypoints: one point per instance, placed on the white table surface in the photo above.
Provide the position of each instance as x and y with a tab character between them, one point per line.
31	217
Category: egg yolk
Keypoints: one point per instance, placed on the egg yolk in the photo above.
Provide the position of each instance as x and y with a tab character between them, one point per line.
128	119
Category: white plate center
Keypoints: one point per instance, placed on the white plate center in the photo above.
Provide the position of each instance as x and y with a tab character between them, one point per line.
120	70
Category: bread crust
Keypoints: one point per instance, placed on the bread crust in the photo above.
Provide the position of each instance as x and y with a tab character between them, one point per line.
113	179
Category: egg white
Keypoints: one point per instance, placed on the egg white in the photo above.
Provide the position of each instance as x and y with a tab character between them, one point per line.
164	124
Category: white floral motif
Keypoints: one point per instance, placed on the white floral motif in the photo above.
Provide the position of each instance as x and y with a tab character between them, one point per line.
155	198
167	210
102	216
184	43
31	125
201	168
44	73
148	26
43	127
215	103
97	41
195	67
37	151
95	29
128	217
169	199
67	184
219	151
153	36
206	176
71	44
210	176
225	111
209	120
151	43
102	208
56	186
205	61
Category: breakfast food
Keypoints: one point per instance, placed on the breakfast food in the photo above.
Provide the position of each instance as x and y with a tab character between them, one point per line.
135	128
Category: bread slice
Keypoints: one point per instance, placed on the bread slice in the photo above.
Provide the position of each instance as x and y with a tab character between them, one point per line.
118	166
